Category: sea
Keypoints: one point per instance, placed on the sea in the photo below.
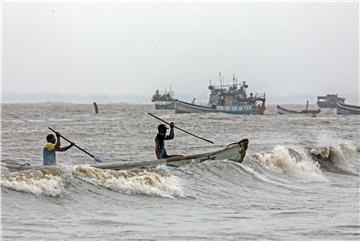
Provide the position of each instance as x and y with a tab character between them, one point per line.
279	192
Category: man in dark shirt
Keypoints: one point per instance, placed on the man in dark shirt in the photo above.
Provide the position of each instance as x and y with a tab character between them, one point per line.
160	140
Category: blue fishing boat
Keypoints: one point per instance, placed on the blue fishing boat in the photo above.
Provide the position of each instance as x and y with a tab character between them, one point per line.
231	99
185	107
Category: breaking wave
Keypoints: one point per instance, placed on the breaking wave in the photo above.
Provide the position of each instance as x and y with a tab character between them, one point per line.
152	183
257	175
282	162
338	159
269	167
49	181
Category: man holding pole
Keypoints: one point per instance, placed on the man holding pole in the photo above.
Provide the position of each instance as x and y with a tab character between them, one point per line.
53	145
160	140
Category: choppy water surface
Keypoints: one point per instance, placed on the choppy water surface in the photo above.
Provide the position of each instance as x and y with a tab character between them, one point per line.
272	195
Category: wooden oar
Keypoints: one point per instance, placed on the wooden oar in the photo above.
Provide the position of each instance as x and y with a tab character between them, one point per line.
180	129
96	158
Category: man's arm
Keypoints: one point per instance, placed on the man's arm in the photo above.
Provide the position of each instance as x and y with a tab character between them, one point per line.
57	144
171	135
66	147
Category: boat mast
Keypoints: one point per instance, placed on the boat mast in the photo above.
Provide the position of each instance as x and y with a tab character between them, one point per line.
220	81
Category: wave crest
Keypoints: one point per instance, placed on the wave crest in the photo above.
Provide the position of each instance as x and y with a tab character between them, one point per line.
282	162
49	181
153	183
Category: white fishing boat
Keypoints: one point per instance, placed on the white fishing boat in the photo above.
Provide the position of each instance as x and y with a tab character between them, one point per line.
234	152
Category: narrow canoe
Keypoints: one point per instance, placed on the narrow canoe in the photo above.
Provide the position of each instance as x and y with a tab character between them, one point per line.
234	152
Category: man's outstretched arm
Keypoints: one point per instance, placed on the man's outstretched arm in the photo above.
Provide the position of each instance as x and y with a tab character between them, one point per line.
66	147
171	134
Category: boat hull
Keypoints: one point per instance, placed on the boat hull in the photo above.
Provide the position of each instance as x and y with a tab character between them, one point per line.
16	167
164	105
234	152
344	109
184	107
282	110
325	105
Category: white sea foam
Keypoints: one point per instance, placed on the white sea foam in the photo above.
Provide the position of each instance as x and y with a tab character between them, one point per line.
281	162
343	153
153	183
50	181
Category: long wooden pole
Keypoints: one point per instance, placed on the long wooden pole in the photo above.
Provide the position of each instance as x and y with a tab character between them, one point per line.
181	129
93	156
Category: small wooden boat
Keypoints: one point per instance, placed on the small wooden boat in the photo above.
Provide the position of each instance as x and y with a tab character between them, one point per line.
282	110
344	109
234	152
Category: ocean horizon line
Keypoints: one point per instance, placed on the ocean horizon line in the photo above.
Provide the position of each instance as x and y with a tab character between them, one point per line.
33	98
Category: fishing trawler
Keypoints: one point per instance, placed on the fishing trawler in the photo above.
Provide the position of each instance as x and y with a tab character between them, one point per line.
163	100
231	99
329	101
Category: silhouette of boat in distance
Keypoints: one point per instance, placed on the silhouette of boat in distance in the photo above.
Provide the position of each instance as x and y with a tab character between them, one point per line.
282	110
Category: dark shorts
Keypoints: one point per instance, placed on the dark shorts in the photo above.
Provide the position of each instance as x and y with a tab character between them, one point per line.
163	153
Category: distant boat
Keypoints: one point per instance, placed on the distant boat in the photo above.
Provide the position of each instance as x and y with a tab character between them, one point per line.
164	105
163	100
185	107
344	109
282	110
329	101
231	99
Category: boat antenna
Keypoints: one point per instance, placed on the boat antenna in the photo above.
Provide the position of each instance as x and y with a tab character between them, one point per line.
171	92
220	77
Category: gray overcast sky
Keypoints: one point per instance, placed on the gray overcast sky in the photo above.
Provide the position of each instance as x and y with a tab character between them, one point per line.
282	49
